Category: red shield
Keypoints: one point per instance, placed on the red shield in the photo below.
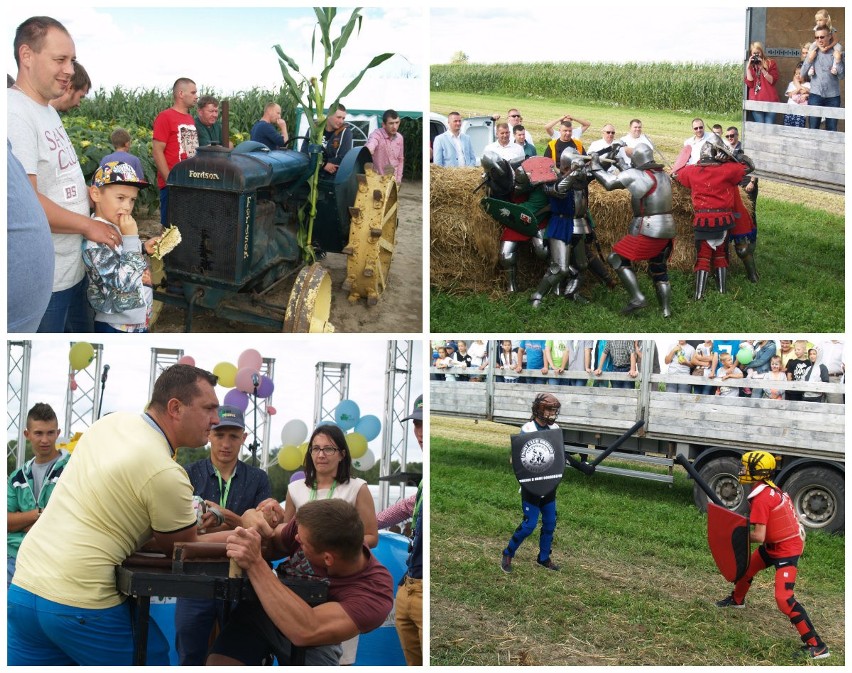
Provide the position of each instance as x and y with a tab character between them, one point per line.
727	535
682	158
540	170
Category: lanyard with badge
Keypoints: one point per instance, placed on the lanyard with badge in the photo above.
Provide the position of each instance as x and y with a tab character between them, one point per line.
330	492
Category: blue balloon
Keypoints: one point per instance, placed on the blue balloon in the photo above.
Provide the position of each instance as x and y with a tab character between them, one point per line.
369	426
347	414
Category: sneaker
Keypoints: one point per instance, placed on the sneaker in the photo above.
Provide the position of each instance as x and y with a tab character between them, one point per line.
729	602
549	564
813	652
506	563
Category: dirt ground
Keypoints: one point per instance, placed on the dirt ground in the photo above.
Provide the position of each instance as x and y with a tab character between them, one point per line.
400	308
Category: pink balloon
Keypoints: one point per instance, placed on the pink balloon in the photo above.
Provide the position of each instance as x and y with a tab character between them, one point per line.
243	380
187	360
271	410
266	387
250	358
73	384
236	398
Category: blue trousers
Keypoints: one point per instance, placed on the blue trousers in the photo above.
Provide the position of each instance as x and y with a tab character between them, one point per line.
44	633
194	619
831	101
68	311
528	525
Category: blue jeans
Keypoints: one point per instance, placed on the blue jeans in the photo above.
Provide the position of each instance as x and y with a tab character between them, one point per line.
763	117
10	569
832	101
577	382
194	619
677	387
68	311
528	525
622	384
557	382
44	633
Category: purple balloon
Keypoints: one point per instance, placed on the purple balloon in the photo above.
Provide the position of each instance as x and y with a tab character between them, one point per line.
237	398
266	387
296	476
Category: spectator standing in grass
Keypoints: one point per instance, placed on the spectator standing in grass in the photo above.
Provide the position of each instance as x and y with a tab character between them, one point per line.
122	141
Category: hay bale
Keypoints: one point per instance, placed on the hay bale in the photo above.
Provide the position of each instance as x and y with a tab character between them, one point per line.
465	242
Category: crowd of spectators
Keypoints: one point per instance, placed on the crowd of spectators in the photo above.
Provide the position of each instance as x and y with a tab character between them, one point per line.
577	362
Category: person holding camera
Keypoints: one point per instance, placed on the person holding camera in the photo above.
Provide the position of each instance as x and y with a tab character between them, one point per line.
761	73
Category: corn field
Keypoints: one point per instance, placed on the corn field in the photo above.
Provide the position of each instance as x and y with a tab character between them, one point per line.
712	88
89	128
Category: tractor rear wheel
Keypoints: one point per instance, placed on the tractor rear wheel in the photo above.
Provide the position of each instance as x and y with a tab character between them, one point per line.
372	236
309	305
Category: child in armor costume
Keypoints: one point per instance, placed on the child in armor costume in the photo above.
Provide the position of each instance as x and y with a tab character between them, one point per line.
781	538
652	229
545	409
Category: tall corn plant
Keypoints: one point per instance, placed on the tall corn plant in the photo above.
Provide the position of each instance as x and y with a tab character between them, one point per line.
312	94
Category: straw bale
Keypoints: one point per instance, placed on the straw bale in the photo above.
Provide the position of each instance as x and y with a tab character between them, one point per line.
465	242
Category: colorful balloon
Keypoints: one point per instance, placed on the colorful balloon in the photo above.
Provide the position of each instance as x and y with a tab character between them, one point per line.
271	410
250	358
226	373
81	355
303	449
357	444
365	462
237	398
244	379
187	360
297	476
347	414
290	458
266	387
294	432
745	356
369	426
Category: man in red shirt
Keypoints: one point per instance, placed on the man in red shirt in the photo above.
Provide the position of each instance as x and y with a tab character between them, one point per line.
175	137
781	537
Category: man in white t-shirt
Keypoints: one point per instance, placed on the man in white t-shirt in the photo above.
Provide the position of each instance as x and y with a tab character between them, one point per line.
503	146
699	137
45	54
631	139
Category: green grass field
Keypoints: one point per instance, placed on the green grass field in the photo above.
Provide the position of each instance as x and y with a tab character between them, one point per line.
800	252
637	583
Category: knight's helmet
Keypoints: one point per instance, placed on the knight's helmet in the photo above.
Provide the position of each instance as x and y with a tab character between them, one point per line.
546	407
757	466
715	150
498	172
643	155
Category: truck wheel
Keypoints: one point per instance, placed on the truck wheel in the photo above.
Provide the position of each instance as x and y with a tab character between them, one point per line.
819	496
722	475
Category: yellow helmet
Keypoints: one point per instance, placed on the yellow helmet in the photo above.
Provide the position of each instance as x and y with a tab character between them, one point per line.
757	466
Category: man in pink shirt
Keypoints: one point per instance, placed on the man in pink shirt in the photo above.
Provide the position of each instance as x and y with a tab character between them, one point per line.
386	146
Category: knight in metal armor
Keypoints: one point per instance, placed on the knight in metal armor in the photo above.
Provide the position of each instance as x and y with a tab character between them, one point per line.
651	233
563	196
714	185
525	221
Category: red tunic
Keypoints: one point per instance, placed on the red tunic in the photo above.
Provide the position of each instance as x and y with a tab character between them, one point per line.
641	247
715	189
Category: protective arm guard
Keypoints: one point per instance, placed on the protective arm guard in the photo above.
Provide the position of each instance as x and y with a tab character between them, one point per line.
559	189
608	180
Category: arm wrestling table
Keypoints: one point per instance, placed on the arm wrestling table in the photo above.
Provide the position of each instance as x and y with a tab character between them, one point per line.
141	577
